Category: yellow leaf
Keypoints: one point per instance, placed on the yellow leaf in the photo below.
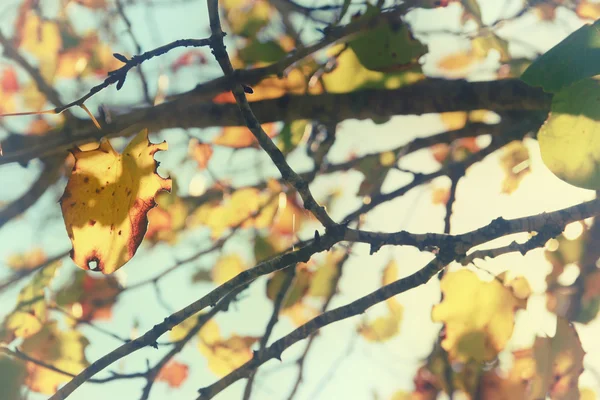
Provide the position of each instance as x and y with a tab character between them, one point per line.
43	40
457	62
31	311
224	355
62	349
106	201
322	280
180	331
478	316
28	260
559	362
235	209
297	290
227	267
201	152
385	327
588	10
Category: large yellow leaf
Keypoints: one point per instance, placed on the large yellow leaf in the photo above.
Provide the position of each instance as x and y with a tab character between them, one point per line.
570	138
107	199
62	349
43	40
478	316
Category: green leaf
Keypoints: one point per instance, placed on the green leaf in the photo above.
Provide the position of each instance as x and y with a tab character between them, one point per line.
269	52
291	134
576	57
12	376
570	138
387	47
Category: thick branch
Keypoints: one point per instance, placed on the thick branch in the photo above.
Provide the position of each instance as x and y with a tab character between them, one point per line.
429	96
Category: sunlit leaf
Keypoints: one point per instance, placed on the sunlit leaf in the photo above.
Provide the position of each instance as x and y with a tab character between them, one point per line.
224	355
246	17
588	10
297	290
106	201
30	313
167	219
43	40
93	296
28	260
349	74
227	267
174	373
240	136
478	316
325	275
62	349
570	138
515	164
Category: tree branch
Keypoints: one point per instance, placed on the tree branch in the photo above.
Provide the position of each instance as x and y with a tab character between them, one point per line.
429	96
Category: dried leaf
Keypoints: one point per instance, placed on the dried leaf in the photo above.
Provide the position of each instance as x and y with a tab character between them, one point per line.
106	201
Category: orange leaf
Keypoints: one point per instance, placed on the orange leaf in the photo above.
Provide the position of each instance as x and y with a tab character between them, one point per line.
174	373
201	152
8	81
106	201
240	136
588	10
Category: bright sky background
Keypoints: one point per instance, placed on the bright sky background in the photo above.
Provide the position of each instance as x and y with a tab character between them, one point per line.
340	364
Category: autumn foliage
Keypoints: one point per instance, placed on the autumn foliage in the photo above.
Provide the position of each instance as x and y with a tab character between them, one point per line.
293	199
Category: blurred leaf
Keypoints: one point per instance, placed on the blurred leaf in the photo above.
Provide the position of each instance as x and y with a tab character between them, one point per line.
482	44
201	152
167	219
239	208
559	362
43	40
575	58
181	330
256	51
92	297
63	349
291	134
325	274
28	260
12	377
387	46
385	327
588	10
349	75
30	314
106	201
296	292
515	164
569	140
174	373
224	355
478	316
239	137
227	267
246	17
